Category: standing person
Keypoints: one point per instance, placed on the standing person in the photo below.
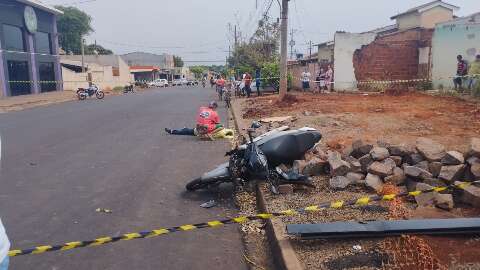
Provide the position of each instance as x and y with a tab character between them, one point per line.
257	81
329	78
212	82
474	73
220	86
248	83
306	80
4	247
321	80
462	69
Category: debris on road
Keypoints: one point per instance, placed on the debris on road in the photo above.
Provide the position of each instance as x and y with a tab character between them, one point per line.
208	204
103	210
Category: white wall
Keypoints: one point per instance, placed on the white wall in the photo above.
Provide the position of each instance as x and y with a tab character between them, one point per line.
102	76
345	46
408	21
431	17
449	40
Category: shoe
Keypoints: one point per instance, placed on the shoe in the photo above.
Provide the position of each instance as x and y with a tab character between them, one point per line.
169	131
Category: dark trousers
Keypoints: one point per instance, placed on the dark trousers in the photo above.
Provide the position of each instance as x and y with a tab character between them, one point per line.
184	131
458	83
248	89
258	89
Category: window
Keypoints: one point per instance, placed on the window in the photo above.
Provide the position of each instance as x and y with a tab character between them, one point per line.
18	77
42	43
47	76
13	37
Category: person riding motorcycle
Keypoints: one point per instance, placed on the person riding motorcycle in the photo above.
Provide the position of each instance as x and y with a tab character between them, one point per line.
207	122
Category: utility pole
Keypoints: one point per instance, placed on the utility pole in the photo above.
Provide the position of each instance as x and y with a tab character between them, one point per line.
283	50
83	55
310	59
229	54
310	55
292	43
236	39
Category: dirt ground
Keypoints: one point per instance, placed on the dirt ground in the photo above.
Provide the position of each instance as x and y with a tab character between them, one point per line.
372	117
342	118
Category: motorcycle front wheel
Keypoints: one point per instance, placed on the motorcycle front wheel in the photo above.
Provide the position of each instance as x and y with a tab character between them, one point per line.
100	95
196	184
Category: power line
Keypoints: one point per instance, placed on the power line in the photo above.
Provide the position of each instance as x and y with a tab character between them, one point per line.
76	3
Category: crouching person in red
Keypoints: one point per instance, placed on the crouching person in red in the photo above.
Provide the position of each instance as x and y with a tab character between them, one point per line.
207	122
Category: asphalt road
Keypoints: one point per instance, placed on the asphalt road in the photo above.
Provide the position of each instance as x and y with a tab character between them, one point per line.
62	162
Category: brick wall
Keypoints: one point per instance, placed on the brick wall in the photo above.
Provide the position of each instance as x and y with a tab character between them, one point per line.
392	57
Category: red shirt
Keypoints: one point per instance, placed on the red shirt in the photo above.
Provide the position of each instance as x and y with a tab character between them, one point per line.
462	68
221	82
208	117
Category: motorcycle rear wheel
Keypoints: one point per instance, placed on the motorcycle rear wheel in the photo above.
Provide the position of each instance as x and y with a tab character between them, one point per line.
196	184
81	96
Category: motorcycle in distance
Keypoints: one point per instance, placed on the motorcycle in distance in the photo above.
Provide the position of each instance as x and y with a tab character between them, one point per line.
260	159
129	88
227	96
83	93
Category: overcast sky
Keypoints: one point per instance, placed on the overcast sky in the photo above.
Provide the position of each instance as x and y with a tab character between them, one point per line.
197	29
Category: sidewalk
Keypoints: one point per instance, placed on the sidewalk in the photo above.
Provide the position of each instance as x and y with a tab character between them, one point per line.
19	103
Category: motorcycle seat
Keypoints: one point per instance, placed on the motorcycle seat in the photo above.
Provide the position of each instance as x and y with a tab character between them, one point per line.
289	147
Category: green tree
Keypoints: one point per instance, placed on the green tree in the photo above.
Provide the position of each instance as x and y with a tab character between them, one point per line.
262	47
177	60
90	49
198	71
73	24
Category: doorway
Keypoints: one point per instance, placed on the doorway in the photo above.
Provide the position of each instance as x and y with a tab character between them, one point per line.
19	78
47	77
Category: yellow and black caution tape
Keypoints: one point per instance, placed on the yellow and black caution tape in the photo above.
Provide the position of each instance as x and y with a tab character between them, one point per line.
217	223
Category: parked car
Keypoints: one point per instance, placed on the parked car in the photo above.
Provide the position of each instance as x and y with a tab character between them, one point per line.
192	82
158	83
177	82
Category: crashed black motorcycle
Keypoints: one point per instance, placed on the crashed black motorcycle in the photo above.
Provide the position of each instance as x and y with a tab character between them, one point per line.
261	158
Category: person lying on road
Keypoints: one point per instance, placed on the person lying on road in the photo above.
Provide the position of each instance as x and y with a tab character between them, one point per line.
207	122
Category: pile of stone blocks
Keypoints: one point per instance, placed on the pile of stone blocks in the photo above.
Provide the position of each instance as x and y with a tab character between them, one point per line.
422	166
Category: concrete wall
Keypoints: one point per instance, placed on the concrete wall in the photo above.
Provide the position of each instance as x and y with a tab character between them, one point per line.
345	46
408	21
163	61
427	19
297	69
431	17
102	76
11	12
325	54
449	40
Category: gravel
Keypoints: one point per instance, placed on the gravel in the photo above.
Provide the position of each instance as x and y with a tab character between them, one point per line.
319	254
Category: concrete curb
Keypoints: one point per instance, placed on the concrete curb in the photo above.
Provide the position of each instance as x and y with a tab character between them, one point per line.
284	257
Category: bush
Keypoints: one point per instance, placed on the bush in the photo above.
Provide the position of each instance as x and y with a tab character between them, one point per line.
118	88
271	74
424	86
